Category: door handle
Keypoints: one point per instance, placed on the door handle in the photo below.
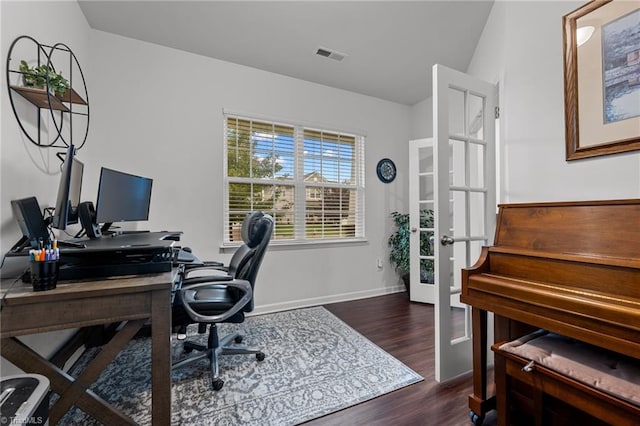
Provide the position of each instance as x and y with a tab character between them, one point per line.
414	230
446	240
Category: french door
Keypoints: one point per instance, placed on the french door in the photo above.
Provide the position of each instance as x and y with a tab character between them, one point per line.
464	204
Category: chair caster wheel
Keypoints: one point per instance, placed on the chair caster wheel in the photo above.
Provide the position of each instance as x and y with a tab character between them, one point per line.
187	350
217	384
476	419
260	356
238	339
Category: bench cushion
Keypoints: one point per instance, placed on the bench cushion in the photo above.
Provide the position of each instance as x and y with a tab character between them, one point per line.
608	371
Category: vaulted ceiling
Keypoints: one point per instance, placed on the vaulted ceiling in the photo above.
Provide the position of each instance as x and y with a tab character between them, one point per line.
389	47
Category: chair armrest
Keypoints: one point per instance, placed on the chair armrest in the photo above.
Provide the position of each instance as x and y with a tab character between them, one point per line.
210	272
213	263
206	279
242	285
207	265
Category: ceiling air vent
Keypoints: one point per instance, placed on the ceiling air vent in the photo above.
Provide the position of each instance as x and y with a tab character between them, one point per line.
331	54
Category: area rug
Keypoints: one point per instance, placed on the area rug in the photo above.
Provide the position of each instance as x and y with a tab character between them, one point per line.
315	365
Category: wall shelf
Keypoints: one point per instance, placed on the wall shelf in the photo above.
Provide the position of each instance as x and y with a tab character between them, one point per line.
58	130
40	98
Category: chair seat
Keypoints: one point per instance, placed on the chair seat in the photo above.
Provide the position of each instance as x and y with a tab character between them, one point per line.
211	300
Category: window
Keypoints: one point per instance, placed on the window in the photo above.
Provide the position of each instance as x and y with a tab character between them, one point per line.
310	180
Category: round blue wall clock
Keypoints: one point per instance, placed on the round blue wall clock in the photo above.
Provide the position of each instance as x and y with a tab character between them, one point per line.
386	170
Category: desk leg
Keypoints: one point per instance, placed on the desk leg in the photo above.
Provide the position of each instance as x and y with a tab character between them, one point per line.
161	357
107	354
28	360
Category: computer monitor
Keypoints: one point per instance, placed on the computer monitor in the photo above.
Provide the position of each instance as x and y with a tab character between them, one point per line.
66	209
122	197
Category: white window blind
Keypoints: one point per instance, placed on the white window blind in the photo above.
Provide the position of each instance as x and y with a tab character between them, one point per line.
310	180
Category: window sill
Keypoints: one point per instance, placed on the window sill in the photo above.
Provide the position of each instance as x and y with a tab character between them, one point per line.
291	244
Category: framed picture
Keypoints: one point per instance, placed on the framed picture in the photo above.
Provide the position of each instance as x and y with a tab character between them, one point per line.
602	78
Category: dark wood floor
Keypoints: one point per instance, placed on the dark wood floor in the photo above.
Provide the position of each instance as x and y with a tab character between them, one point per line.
406	331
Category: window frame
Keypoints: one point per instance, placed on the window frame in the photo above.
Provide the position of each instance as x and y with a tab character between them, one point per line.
299	185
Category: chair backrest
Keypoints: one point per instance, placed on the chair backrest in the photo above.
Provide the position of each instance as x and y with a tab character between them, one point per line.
247	233
257	229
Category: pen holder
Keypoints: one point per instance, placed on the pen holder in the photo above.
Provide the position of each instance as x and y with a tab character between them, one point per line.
44	275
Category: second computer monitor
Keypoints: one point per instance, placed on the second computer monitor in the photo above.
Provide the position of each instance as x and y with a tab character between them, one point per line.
122	197
68	198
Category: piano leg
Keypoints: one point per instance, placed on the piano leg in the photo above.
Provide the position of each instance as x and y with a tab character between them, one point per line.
479	404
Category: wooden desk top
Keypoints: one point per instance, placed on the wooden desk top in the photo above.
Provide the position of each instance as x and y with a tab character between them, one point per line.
77	303
15	292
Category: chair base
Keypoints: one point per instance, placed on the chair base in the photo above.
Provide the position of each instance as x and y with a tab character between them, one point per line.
229	345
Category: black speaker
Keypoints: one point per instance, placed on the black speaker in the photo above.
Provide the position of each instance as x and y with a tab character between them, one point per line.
33	226
87	215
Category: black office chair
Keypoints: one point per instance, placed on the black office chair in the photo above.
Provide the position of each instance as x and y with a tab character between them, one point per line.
225	297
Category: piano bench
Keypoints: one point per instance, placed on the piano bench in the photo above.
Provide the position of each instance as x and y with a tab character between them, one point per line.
566	378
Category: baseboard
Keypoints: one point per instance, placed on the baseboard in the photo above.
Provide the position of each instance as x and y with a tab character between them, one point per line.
315	301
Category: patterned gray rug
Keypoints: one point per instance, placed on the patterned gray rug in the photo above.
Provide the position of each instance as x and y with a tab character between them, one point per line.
315	365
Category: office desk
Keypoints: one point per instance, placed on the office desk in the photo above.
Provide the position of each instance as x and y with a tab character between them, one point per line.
135	299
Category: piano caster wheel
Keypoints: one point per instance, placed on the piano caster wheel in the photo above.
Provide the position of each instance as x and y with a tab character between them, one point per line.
217	384
476	419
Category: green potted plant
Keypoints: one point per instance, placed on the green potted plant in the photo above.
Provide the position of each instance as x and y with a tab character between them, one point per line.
37	77
399	255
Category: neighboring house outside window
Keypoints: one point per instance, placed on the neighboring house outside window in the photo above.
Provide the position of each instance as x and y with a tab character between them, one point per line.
310	180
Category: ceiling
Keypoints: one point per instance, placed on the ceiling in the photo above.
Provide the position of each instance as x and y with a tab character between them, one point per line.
390	46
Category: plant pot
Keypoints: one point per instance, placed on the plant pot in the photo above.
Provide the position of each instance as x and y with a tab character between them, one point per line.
407	283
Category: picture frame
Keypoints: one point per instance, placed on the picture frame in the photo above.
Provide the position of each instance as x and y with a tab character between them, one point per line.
602	79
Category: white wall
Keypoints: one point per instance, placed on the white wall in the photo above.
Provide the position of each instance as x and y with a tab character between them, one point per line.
521	48
27	170
422	119
158	112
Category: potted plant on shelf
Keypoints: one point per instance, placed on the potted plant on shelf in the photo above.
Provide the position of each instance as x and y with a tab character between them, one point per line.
399	254
37	77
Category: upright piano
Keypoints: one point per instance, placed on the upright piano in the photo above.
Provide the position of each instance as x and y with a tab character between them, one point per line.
572	268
